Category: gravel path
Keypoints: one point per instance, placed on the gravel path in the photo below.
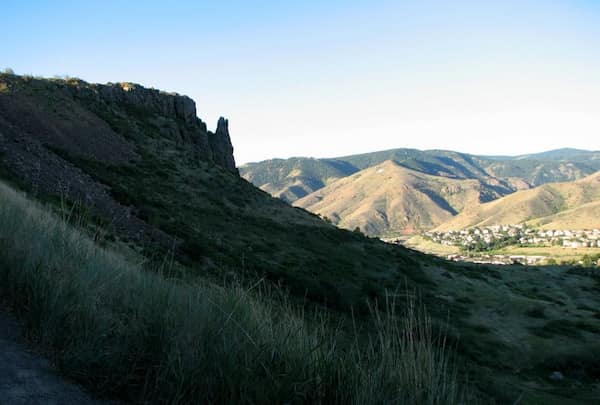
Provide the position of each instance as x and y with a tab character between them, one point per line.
27	379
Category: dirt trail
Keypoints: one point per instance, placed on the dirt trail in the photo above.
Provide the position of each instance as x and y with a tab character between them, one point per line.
27	379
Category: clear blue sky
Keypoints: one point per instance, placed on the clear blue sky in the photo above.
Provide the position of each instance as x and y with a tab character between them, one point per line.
330	78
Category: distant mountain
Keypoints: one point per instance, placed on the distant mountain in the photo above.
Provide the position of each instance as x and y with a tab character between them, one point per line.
291	179
389	198
552	206
294	178
565	154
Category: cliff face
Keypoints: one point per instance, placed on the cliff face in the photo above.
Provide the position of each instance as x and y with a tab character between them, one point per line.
92	120
174	116
58	136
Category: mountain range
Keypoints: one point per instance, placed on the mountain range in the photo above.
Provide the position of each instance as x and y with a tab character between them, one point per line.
421	190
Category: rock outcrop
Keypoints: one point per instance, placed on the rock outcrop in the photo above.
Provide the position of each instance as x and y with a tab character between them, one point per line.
151	100
162	107
221	147
49	129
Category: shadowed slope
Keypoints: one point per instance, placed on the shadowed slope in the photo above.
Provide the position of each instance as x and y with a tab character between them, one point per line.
170	188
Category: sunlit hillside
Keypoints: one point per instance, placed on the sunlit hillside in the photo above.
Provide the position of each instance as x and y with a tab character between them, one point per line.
391	199
571	205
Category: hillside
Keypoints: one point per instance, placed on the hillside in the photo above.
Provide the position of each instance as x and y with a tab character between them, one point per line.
584	216
391	199
553	206
153	177
134	333
123	330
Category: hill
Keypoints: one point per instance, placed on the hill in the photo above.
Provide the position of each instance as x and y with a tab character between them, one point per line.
133	332
152	176
584	216
391	199
554	206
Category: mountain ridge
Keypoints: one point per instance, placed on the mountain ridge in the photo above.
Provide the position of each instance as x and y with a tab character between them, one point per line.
390	198
304	181
510	173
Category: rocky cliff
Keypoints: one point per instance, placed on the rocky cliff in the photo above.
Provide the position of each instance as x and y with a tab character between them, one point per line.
58	136
174	116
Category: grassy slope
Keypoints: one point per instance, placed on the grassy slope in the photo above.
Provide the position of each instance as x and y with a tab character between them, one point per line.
581	217
126	332
530	322
391	199
227	226
555	204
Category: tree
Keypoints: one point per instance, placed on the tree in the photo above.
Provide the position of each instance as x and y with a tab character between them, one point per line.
358	231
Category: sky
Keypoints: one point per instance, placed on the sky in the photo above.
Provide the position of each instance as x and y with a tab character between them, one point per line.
334	78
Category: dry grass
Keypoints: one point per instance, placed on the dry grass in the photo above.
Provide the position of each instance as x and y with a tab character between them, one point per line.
136	335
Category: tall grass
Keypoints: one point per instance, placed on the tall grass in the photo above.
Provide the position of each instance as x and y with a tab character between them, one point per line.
134	334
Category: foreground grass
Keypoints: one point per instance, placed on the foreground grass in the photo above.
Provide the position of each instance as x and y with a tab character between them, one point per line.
133	334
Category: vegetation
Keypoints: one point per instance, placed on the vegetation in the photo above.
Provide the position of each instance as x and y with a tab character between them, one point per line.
137	335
